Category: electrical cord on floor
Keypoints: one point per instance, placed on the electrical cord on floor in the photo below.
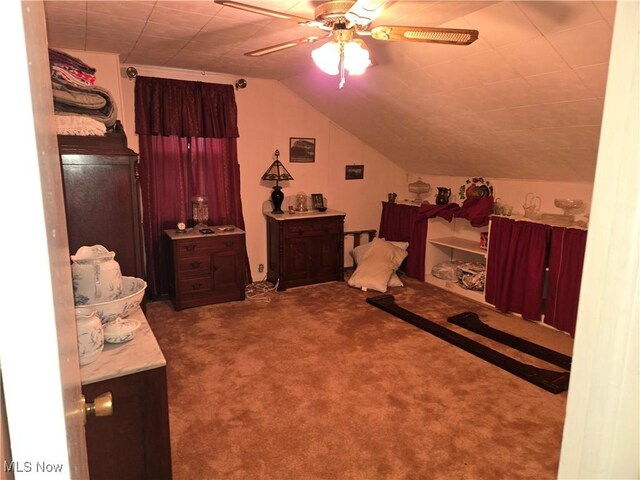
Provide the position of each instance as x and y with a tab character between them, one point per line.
260	291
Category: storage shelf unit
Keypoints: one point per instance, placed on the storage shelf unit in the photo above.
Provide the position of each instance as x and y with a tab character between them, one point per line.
458	243
457	240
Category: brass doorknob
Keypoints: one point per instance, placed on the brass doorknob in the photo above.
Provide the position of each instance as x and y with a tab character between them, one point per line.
102	406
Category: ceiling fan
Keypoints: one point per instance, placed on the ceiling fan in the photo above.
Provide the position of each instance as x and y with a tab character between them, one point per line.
343	19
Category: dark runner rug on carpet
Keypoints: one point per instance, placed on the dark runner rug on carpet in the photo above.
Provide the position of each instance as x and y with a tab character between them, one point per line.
550	380
472	322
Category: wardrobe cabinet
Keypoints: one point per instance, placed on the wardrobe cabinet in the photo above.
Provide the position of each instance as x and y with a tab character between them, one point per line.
101	197
305	248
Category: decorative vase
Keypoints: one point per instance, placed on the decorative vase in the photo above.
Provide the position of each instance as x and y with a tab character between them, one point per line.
277	197
96	275
90	337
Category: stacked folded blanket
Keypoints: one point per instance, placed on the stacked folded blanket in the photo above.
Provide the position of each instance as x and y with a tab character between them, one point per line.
75	94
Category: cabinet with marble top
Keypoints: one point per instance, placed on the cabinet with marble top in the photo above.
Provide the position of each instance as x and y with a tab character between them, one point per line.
133	442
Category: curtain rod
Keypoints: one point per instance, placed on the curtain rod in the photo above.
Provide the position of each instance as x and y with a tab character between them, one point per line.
226	78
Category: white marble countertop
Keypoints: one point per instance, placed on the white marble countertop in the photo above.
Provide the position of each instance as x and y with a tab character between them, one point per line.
192	233
120	359
308	214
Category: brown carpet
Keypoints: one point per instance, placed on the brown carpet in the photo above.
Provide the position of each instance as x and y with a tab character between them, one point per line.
318	384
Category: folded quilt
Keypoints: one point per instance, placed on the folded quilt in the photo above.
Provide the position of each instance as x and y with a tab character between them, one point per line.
72	76
62	59
94	101
69	124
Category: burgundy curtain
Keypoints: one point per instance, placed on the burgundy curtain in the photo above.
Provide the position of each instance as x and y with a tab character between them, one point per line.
185	109
516	266
187	133
565	273
401	223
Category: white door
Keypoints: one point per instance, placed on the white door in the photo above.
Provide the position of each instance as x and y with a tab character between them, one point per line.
38	352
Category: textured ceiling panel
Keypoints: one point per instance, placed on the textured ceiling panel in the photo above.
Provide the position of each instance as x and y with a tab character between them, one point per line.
523	101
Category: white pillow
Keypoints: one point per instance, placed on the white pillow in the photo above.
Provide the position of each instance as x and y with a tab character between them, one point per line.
359	252
376	266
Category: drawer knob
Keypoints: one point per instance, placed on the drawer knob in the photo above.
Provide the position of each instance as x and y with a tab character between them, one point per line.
195	264
300	231
228	243
195	286
190	248
213	268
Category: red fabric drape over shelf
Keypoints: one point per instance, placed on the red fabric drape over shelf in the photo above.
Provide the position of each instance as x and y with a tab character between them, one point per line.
400	223
516	266
187	136
565	273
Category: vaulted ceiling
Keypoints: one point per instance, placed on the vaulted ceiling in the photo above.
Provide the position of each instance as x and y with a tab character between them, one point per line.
524	101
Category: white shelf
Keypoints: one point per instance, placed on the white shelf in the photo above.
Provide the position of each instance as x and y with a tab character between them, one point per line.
455	288
459	244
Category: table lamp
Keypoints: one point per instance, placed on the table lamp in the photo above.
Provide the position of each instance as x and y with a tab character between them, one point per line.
278	173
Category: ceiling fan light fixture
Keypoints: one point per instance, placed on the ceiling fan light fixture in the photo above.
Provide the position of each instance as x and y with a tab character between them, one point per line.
356	57
327	58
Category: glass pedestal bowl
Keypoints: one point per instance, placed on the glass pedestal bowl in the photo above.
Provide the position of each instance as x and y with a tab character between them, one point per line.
568	205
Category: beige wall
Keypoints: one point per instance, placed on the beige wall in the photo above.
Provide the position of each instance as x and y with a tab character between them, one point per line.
268	114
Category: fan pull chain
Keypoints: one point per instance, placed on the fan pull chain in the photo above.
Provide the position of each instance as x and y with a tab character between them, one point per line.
341	65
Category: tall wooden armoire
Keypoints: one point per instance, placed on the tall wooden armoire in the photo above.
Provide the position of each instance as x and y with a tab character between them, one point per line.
101	196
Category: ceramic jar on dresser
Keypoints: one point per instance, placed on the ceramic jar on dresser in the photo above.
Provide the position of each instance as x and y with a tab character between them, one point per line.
206	268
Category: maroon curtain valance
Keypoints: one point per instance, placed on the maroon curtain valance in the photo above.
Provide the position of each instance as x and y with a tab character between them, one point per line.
185	109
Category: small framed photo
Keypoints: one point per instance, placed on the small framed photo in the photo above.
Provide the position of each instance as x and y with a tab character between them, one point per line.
302	150
354	172
317	200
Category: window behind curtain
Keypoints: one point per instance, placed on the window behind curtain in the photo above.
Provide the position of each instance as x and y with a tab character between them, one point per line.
188	134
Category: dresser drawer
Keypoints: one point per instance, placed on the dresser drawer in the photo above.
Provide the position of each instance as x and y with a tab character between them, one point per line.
310	227
195	285
199	246
194	266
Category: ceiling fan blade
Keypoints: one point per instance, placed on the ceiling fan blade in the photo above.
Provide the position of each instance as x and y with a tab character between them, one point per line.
450	36
282	46
363	12
261	11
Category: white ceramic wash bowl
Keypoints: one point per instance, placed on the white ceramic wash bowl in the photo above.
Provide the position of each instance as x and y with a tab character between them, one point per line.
132	292
120	330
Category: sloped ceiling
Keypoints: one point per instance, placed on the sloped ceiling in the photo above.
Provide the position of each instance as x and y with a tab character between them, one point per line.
523	101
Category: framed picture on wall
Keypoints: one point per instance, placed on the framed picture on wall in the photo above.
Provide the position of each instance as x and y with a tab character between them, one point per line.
302	150
354	172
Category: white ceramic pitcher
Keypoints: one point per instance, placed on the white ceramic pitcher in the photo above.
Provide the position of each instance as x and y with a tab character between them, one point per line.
90	337
96	275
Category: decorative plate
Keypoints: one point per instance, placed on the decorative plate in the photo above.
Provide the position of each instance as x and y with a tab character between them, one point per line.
475	187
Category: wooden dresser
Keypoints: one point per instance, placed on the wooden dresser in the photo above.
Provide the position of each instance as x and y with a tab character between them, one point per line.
305	248
101	197
133	442
206	268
